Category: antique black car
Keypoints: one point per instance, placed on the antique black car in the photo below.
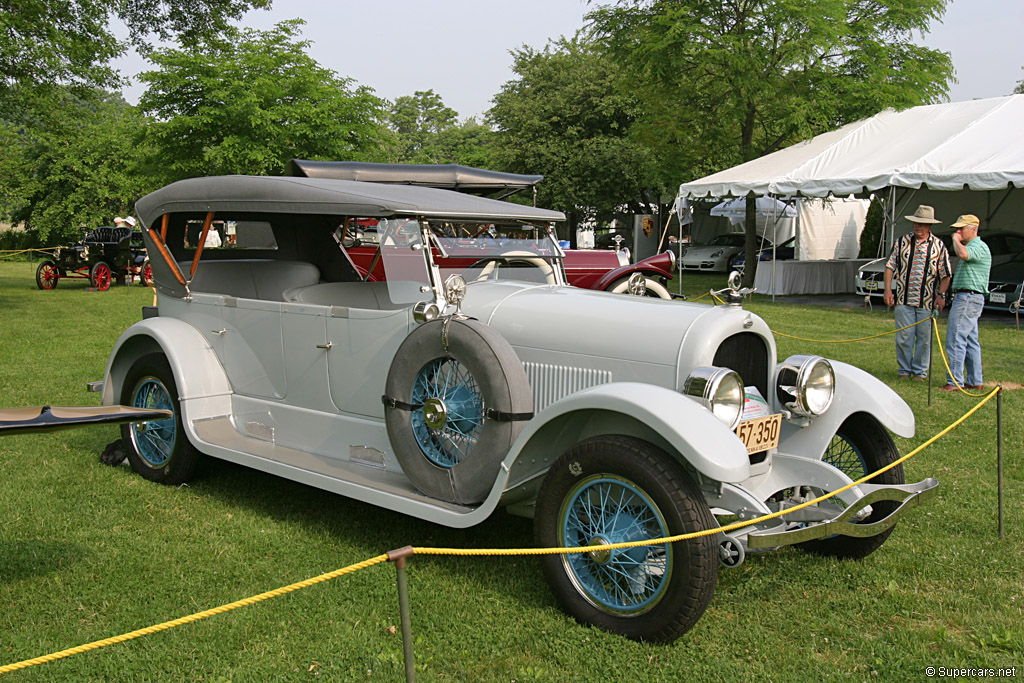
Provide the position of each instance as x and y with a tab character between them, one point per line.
105	255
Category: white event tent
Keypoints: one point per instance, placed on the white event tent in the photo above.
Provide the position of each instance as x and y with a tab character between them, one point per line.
961	157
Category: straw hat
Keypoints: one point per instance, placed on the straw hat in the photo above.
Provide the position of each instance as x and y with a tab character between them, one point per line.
924	214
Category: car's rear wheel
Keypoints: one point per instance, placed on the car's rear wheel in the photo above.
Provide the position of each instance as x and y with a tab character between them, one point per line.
47	275
146	274
158	450
860	446
457	397
99	276
614	489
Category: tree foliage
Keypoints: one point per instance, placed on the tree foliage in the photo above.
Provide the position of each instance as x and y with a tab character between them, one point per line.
75	169
567	116
727	81
69	42
426	131
248	101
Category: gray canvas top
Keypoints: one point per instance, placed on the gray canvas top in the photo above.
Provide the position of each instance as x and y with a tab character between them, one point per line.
450	176
261	194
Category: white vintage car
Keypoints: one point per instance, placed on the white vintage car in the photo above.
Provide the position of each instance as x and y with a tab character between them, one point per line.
447	395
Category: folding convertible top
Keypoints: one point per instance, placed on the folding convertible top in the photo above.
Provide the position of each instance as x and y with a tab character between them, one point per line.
275	194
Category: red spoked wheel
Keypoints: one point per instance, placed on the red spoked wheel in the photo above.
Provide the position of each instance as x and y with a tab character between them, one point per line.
100	276
147	274
47	275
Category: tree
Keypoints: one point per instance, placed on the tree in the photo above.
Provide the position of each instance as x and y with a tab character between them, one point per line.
69	42
1019	90
728	81
248	101
567	116
418	120
75	169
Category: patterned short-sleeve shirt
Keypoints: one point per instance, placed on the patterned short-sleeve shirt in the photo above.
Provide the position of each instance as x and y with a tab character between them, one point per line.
917	269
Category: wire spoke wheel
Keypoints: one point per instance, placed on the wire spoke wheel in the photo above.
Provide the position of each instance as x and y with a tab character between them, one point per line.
449	424
606	511
614	489
154	441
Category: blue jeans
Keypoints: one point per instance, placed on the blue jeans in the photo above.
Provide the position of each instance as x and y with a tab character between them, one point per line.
913	346
962	346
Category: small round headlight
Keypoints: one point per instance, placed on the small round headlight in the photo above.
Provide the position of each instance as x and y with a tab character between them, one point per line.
720	390
805	385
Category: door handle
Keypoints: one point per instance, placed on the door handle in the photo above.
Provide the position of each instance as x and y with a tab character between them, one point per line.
325	347
221	331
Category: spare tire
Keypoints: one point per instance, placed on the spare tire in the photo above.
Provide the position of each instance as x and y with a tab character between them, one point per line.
457	397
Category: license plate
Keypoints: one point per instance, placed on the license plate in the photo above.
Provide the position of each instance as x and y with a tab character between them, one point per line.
997	297
760	434
872	285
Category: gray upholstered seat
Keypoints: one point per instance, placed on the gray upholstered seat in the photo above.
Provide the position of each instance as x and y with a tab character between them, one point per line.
251	279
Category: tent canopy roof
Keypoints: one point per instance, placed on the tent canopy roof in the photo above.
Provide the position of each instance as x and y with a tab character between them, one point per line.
940	146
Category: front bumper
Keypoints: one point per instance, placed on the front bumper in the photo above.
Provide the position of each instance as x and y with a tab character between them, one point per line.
907	495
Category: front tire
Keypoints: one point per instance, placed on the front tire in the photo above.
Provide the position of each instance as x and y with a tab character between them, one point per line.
159	450
615	489
861	446
47	275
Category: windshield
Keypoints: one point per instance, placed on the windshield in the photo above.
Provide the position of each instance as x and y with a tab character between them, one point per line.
727	241
477	251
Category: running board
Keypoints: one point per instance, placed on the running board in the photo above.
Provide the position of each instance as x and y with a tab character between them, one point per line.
51	418
908	495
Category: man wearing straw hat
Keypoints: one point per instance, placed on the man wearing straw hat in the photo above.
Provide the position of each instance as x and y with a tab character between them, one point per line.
919	264
969	287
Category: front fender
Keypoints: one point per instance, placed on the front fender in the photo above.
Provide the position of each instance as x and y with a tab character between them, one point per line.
203	387
659	415
856	392
658	266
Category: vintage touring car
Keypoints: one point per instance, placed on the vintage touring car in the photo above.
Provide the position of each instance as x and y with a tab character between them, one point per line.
447	395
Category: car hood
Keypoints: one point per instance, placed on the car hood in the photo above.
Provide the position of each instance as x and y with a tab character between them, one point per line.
704	251
633	338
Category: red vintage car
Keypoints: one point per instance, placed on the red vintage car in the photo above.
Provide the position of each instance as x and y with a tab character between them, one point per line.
599	269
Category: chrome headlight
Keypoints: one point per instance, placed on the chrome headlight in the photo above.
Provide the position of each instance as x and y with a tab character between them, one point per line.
805	385
720	390
425	311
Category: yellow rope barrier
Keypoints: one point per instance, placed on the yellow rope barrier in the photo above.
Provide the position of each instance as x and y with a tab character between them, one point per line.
949	372
194	617
847	341
464	552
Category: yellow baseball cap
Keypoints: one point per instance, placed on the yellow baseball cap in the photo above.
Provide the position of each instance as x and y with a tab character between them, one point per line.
967	220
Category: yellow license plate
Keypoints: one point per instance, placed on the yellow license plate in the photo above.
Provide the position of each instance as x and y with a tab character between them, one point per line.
760	434
871	285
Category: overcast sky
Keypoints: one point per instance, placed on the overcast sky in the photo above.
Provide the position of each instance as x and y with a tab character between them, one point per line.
460	48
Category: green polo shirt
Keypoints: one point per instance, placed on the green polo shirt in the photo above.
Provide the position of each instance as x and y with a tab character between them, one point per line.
972	273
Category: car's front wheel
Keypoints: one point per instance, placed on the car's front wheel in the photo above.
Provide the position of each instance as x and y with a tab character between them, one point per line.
860	446
47	275
159	450
614	489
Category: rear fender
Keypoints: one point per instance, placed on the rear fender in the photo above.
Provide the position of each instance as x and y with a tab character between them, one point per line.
856	392
657	266
203	386
664	418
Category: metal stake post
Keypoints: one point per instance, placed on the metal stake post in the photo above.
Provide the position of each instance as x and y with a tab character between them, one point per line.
999	456
398	557
931	347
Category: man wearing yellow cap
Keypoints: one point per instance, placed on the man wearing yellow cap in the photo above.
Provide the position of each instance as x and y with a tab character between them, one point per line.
970	282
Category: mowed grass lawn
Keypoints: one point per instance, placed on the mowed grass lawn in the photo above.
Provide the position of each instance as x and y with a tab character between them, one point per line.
89	551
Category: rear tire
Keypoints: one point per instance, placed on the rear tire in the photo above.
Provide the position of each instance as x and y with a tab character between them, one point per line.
100	276
158	450
654	288
861	446
615	489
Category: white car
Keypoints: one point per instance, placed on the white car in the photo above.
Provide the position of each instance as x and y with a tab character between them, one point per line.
718	255
455	388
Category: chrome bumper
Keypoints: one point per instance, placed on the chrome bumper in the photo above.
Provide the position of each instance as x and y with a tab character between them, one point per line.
908	495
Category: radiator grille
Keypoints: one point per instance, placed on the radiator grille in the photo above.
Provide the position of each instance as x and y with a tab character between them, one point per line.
552	382
747	354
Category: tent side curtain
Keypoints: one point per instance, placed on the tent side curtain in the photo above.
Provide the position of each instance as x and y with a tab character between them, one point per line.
942	146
